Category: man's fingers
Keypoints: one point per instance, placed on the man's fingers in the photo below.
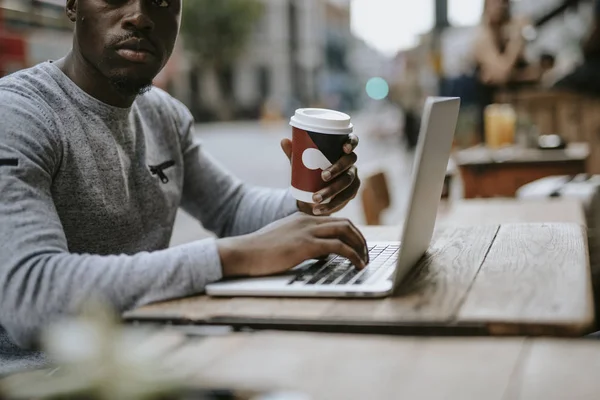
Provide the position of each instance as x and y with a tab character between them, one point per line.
286	146
338	203
343	164
335	246
339	185
344	229
345	232
351	144
333	220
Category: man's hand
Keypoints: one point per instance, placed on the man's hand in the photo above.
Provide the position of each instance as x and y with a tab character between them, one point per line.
289	242
342	178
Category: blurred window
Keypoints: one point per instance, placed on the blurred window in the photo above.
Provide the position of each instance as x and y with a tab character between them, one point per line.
465	12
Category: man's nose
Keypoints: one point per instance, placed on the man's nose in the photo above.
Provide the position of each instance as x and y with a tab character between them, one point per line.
136	16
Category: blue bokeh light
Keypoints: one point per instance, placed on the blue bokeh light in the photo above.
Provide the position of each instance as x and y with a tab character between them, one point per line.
377	88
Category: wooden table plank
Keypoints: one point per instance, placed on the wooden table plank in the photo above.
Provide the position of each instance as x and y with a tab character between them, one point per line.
510	211
573	364
358	367
436	288
515	154
452	369
518	285
351	367
501	172
382	367
535	280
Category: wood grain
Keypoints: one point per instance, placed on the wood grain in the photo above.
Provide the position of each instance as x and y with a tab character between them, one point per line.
351	367
505	179
435	288
432	292
463	369
187	360
535	280
510	211
535	274
377	367
560	370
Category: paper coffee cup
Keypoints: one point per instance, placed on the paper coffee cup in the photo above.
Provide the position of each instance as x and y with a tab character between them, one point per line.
318	140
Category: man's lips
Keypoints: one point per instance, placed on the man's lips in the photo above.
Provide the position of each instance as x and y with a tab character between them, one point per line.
136	50
137	56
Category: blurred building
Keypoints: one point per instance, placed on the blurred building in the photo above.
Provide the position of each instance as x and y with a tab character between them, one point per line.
281	64
278	70
302	53
32	31
338	87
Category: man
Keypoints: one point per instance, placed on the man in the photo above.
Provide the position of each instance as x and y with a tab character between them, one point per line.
93	167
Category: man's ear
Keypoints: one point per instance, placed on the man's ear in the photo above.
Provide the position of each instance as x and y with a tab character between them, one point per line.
71	10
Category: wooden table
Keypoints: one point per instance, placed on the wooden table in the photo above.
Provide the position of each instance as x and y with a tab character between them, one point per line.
491	173
358	367
523	279
474	212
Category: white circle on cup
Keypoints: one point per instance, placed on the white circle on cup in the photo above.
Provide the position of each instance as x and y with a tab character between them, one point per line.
313	159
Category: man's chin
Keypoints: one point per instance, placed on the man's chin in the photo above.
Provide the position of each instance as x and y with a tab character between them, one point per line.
131	86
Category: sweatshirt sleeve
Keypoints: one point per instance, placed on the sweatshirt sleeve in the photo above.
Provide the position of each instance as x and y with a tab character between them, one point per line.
220	201
40	280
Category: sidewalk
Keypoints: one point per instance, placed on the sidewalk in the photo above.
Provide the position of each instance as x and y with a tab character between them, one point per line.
250	150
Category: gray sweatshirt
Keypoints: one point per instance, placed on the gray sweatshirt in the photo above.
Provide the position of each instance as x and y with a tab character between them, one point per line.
88	197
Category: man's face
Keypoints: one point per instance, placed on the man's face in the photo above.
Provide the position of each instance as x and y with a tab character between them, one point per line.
128	41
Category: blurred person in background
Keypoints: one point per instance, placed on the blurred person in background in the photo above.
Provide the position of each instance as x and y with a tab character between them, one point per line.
586	77
547	62
95	162
499	54
500	47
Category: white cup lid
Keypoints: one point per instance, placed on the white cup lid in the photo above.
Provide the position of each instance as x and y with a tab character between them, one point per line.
322	121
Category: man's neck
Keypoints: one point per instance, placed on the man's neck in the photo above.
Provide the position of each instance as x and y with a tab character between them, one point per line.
91	81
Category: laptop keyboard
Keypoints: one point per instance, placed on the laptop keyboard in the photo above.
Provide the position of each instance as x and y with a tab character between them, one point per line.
340	271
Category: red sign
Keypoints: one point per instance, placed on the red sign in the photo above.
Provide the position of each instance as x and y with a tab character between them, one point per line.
12	53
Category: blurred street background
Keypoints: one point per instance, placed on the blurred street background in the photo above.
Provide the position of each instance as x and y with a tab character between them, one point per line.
244	66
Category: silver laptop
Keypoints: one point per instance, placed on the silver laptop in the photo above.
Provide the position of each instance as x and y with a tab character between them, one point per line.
390	261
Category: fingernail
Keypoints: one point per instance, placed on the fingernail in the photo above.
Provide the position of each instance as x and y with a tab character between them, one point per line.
348	148
326	175
317	211
317	198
